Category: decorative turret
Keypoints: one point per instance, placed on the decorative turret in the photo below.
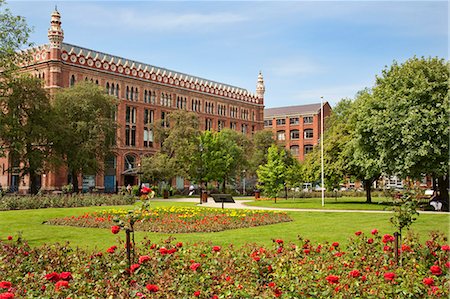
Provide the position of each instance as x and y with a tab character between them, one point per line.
260	89
55	33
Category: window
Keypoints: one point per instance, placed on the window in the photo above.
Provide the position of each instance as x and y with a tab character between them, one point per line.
294	120
232	125
308	134
281	135
295	134
148	137
294	150
166	99
130	161
234	112
195	105
281	121
220	125
148	117
130	127
268	123
308	120
72	80
208	124
244	129
164	119
307	148
221	109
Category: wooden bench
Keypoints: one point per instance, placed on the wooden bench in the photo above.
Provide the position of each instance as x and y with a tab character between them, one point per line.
223	198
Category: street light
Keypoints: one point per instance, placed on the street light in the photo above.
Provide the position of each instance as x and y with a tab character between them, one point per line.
243	187
321	149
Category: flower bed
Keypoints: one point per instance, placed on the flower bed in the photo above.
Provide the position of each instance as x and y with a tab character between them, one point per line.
178	219
364	269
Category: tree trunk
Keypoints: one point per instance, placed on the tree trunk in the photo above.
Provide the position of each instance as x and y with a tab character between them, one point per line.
285	192
223	185
33	182
368	188
75	181
443	185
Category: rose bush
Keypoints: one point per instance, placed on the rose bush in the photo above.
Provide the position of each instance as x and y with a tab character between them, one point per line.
203	270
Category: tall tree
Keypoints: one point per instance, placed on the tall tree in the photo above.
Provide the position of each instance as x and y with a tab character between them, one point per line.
272	175
407	120
257	155
87	126
26	125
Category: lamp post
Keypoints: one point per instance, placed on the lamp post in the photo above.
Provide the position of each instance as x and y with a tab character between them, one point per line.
321	149
243	182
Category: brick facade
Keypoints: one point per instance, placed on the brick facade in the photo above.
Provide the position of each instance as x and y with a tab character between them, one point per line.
145	92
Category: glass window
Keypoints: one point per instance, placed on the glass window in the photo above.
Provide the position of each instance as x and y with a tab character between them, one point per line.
294	121
268	123
308	134
281	135
307	148
308	120
294	150
281	121
295	134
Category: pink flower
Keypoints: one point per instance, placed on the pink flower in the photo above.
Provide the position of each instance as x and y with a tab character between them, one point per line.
436	270
332	279
195	266
152	288
428	281
61	284
389	276
115	229
5	284
144	259
66	276
216	248
374	231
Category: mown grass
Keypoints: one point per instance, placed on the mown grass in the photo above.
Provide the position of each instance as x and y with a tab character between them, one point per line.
340	203
316	226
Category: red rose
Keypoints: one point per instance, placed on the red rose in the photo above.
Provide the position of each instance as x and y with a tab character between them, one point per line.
374	231
271	284
115	229
335	244
54	277
388	238
306	251
66	276
111	249
216	248
445	247
5	284
369	241
215	297
358	233
163	250
197	293
144	259
428	281
406	248
389	276
332	279
447	264
436	270
134	267
179	244
355	273
277	292
279	241
195	266
172	251
61	284
7	296
152	288
10	238
256	258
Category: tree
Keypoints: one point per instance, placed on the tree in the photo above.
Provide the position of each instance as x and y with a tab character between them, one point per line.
257	155
26	125
87	128
406	120
158	168
272	175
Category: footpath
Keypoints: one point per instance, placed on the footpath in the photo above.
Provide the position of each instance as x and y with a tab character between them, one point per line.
240	204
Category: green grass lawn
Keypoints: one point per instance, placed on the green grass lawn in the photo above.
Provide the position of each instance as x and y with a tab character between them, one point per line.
316	226
340	203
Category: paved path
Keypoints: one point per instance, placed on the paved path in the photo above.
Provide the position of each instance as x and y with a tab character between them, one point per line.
240	204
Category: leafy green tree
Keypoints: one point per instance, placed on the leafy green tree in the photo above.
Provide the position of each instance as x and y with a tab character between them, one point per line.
257	154
27	125
272	175
158	168
406	120
87	128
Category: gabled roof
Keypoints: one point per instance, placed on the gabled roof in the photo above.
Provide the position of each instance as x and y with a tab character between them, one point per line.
292	110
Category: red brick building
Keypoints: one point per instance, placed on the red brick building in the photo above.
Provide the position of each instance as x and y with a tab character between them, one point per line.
147	95
298	127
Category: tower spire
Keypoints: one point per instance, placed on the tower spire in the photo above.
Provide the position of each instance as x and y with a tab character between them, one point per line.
260	88
55	32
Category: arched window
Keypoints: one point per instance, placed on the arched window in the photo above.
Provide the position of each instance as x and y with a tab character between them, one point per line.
117	90
307	149
72	80
294	150
107	87
127	94
130	162
132	93
136	94
112	89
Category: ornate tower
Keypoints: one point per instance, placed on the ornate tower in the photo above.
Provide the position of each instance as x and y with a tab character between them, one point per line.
56	37
260	88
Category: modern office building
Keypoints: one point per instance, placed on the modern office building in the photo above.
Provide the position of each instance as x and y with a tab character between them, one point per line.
147	94
297	127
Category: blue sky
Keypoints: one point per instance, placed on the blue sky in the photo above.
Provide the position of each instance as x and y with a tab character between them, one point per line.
305	49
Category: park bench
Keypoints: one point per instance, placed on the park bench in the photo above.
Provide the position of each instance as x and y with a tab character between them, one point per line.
223	198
